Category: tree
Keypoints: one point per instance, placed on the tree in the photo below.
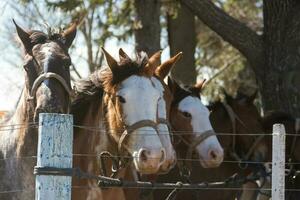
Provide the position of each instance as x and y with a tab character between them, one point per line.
273	55
182	37
147	28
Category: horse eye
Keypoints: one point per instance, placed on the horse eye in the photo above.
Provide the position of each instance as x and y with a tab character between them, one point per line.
186	114
121	99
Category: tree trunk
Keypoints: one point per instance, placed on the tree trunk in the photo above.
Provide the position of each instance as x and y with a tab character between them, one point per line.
182	37
280	78
147	32
275	56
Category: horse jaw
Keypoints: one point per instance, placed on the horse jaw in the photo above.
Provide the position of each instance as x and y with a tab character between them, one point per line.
141	98
210	151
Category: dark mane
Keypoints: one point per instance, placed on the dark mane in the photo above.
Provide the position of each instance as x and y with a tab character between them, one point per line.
103	79
182	92
38	37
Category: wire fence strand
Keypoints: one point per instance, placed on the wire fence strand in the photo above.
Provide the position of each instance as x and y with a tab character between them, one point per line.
100	130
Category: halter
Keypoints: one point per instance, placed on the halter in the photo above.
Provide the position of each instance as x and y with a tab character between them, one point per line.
197	141
128	129
47	75
235	118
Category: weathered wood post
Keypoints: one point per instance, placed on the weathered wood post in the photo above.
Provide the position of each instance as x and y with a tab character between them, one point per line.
55	146
278	162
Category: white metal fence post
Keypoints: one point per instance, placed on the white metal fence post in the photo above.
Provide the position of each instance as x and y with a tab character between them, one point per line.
278	162
55	147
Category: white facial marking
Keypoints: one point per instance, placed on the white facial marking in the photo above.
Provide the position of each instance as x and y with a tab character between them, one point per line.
163	128
200	123
141	104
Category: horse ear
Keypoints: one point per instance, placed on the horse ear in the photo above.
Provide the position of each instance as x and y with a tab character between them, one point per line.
69	34
112	63
123	55
163	70
24	37
153	62
173	85
198	86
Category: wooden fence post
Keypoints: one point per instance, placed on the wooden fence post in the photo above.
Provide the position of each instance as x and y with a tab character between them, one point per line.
55	147
278	162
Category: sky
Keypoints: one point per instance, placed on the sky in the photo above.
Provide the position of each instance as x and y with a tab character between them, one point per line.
11	71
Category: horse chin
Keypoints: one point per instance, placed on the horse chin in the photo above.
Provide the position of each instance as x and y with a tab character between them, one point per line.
144	169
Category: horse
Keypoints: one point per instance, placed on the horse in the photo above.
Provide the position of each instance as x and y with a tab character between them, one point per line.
292	127
47	89
190	123
237	116
189	120
123	103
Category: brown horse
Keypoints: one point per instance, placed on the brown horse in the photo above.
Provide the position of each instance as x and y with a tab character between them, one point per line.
292	127
47	89
246	119
123	102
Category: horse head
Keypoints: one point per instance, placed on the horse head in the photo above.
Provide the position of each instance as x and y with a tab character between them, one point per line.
47	69
133	100
190	119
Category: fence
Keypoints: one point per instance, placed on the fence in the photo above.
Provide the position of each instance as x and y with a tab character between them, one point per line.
54	162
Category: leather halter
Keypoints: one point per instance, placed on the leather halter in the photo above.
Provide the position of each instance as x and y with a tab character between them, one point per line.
135	126
47	75
120	161
198	140
234	119
128	129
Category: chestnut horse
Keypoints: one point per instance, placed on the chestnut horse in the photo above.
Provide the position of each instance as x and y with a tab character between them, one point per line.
189	120
121	105
237	116
47	89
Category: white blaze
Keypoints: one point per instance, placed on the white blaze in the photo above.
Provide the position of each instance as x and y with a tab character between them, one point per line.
141	104
200	123
163	128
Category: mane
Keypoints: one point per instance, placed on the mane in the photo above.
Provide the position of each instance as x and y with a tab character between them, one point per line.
39	37
183	92
213	104
103	80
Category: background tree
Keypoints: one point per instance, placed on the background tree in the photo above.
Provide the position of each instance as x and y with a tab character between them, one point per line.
273	54
182	37
147	29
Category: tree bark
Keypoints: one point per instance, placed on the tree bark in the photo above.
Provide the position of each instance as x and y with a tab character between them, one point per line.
182	37
147	34
280	80
275	56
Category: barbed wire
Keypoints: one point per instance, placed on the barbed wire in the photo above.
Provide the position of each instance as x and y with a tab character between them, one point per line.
16	191
164	188
156	158
105	131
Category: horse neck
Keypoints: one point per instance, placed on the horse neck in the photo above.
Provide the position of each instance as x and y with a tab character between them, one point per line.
21	137
92	137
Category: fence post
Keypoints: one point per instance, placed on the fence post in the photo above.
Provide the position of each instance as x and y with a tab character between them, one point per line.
55	147
278	160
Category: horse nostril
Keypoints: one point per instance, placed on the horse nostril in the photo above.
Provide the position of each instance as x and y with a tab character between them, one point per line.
163	155
213	155
143	155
